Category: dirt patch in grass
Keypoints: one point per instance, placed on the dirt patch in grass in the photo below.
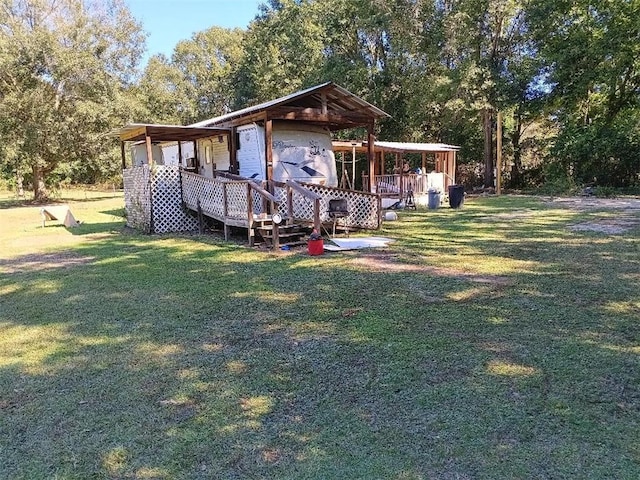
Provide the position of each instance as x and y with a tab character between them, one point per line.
515	215
612	226
393	263
43	261
627	213
592	203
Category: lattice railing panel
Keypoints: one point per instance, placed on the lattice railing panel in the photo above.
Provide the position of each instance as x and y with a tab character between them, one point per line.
208	191
364	207
236	199
258	203
137	197
281	194
168	212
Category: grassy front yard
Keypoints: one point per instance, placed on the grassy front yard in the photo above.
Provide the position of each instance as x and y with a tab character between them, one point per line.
490	342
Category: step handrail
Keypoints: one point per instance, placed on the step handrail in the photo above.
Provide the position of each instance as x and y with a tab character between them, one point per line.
293	185
266	196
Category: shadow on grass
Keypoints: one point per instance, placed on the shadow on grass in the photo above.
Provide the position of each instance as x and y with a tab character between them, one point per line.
508	356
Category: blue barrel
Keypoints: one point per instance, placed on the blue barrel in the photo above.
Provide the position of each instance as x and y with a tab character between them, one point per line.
456	196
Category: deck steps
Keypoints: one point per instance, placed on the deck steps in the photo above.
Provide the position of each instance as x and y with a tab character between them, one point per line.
289	235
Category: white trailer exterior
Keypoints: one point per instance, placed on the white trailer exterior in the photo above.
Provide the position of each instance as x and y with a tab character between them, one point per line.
301	152
165	153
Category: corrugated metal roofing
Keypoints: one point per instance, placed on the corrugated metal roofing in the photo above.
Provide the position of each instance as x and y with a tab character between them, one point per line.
417	147
342	100
397	146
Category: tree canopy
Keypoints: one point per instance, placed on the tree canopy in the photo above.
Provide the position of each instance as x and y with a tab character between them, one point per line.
65	69
565	76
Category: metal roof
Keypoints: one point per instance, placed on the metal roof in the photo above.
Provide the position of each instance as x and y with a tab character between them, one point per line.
339	98
134	132
400	147
416	147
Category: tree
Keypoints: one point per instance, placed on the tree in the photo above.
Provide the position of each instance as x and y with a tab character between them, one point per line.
66	69
592	52
198	81
283	51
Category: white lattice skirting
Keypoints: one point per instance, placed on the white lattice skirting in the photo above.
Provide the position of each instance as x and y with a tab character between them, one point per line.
153	200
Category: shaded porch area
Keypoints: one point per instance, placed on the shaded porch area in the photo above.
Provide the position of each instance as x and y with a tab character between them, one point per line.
391	174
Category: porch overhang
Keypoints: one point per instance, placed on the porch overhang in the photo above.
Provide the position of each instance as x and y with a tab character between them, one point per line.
394	147
139	132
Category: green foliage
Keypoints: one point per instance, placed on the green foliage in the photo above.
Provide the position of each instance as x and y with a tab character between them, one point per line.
606	192
283	51
603	153
197	82
66	68
564	75
592	55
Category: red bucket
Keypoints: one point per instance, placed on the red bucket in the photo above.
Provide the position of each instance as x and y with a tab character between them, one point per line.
316	247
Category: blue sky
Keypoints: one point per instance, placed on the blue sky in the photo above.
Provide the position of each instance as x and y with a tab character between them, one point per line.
169	21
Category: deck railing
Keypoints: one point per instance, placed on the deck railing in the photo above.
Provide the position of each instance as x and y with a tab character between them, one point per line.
244	202
233	202
364	208
399	185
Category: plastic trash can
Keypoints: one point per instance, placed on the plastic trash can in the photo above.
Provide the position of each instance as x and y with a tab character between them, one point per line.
456	196
434	198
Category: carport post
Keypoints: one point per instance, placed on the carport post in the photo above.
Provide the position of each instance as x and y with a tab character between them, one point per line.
124	161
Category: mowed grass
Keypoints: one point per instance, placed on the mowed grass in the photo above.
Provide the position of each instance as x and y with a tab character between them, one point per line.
489	342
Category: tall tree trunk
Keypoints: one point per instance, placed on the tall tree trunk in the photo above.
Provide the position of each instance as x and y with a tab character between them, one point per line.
40	192
19	183
516	169
487	123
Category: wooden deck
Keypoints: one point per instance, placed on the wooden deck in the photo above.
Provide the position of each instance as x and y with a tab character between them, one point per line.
240	202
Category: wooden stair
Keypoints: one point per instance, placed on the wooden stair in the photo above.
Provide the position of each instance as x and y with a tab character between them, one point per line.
288	234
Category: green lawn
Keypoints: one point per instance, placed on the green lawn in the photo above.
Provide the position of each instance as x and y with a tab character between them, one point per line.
489	342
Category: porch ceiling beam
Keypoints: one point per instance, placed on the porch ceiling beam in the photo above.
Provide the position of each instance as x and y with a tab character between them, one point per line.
133	135
166	133
317	115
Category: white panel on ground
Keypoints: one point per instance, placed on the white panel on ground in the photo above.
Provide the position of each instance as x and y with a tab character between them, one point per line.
356	243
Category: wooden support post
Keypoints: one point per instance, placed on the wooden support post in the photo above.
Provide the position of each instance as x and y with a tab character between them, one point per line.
124	158
353	167
196	157
147	139
371	139
225	211
233	152
499	156
316	215
424	162
180	154
382	163
401	180
290	203
268	146
250	214
453	166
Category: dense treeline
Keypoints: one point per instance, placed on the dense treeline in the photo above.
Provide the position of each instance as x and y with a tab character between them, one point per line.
564	74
